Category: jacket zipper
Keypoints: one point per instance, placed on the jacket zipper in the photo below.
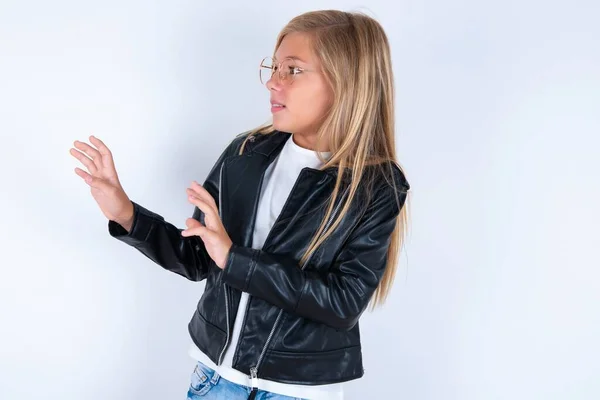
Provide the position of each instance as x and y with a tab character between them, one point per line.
220	360
267	238
254	370
224	286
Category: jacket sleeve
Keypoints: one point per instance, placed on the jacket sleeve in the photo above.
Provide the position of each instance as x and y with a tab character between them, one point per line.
337	297
162	242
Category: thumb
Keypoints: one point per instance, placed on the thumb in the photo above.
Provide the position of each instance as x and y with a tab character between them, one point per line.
203	232
192	223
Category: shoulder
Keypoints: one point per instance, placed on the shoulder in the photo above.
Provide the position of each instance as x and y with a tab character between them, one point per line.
387	177
261	140
236	143
397	176
384	187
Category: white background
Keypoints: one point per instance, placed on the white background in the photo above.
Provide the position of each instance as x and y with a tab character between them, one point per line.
498	114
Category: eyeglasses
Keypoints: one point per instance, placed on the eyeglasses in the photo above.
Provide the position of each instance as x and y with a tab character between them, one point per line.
287	70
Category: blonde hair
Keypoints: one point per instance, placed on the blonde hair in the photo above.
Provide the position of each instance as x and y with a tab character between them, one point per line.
355	57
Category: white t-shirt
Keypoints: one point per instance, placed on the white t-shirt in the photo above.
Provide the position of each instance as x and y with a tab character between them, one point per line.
279	179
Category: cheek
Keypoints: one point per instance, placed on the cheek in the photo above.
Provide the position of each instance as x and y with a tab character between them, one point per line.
312	102
307	106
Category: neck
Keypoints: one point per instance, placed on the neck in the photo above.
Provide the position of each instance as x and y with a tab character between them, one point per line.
308	142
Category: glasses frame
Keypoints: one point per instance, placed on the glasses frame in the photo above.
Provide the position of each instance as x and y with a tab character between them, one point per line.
282	75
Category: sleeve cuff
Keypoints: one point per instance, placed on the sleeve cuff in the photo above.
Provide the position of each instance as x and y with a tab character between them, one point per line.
239	267
143	221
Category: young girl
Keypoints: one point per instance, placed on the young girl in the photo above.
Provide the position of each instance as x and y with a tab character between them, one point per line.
297	227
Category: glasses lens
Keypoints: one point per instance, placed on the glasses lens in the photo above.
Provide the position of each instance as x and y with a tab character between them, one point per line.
266	69
287	72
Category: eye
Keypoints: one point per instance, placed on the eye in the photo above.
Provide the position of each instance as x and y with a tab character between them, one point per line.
293	70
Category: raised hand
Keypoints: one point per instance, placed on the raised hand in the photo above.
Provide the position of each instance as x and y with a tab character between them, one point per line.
213	234
103	180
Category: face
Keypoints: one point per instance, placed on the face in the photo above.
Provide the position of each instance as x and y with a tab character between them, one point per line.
306	97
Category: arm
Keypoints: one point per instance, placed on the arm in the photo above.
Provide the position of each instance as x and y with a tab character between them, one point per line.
337	297
162	242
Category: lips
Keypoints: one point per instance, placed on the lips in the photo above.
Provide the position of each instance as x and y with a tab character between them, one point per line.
276	107
277	104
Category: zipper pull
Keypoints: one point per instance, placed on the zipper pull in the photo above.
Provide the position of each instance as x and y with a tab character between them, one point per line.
254	383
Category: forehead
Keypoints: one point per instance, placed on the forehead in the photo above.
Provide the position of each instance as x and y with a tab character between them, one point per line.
296	45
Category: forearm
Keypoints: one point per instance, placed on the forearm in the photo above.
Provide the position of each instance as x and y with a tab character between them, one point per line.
162	242
335	298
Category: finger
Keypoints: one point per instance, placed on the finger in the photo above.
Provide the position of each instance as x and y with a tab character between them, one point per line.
84	175
90	180
107	158
85	160
201	231
90	151
206	208
102	148
203	193
210	214
198	195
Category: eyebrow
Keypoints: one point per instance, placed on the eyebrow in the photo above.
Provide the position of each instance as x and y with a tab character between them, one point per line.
293	57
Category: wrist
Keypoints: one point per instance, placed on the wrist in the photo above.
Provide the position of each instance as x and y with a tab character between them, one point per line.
126	221
227	255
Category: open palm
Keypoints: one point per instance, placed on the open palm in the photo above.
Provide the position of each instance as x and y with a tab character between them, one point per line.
102	178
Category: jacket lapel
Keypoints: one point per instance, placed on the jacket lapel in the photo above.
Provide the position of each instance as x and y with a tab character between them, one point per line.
241	184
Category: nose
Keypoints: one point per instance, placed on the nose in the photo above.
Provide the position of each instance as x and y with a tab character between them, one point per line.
274	83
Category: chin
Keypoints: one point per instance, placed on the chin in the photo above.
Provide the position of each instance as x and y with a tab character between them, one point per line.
282	126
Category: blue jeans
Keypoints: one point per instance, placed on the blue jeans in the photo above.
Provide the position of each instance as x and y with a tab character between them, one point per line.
207	384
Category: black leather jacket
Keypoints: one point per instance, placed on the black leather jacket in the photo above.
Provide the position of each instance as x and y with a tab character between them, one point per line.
301	324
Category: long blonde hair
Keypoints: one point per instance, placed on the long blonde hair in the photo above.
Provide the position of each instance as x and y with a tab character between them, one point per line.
354	53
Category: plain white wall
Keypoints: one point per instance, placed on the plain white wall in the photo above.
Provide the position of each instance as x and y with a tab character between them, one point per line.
498	110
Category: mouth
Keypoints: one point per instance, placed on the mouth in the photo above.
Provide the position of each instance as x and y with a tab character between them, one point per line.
275	107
